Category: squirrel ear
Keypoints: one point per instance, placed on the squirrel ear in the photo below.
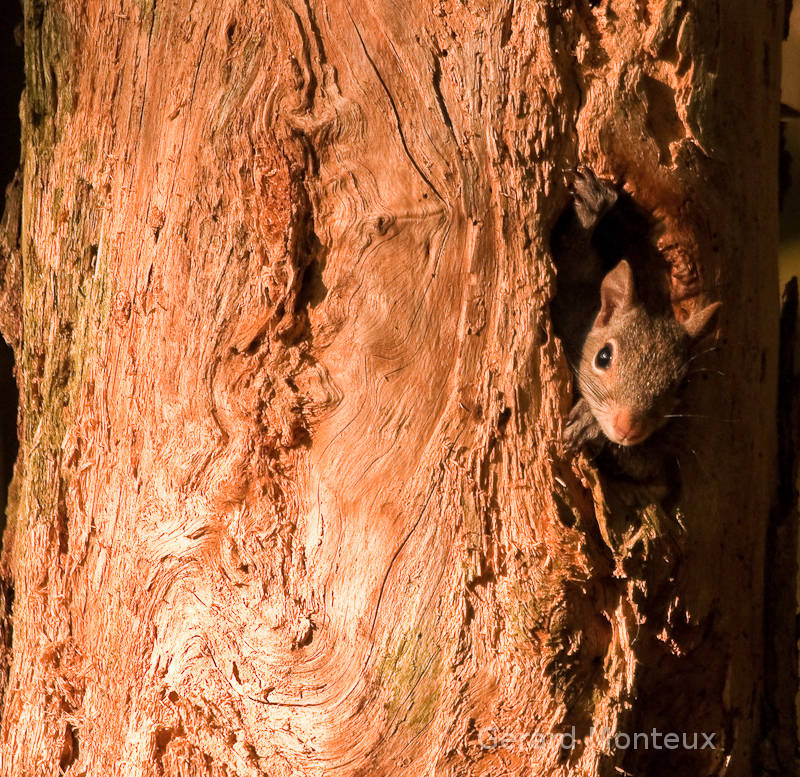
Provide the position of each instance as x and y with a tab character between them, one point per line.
697	323
617	293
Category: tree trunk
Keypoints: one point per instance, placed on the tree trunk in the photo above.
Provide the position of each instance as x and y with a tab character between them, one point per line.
289	497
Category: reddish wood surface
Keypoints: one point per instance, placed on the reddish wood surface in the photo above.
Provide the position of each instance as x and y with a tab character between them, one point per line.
289	498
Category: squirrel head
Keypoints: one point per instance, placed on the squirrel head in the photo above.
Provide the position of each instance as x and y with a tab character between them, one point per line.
632	362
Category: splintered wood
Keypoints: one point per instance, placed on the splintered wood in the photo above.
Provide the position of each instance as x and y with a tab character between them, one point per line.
289	499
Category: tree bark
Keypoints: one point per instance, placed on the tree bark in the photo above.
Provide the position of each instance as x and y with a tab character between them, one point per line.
289	497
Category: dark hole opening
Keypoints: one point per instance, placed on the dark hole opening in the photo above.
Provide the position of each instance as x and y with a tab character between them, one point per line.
583	254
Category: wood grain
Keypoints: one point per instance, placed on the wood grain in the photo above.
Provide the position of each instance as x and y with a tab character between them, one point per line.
289	498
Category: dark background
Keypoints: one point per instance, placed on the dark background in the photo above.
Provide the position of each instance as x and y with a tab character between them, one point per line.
11	83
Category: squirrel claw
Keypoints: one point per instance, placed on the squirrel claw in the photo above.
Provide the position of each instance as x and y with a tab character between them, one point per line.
594	197
582	427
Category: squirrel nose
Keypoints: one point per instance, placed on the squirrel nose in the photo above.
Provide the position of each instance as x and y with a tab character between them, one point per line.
626	425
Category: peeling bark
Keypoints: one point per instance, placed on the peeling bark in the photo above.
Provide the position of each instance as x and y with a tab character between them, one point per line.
289	498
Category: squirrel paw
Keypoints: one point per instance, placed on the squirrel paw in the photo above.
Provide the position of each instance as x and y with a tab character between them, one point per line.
594	197
582	427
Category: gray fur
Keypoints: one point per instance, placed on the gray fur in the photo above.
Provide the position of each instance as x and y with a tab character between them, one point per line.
650	361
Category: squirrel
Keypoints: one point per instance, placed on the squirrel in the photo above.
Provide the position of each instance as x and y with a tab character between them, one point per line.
629	361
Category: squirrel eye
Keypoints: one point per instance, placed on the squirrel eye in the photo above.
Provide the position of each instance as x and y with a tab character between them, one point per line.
603	359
